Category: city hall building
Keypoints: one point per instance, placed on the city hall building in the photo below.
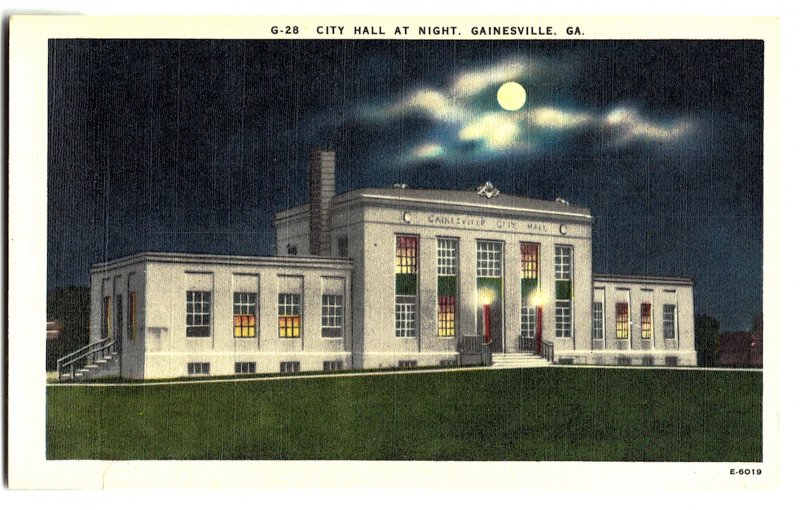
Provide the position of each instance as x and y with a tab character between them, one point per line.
386	278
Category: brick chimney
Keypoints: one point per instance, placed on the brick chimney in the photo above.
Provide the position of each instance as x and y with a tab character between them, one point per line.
321	188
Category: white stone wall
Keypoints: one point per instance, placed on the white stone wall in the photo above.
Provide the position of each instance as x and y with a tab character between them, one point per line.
376	256
635	291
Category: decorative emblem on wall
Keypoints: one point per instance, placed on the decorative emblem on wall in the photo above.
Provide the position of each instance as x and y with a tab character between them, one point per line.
488	190
407	217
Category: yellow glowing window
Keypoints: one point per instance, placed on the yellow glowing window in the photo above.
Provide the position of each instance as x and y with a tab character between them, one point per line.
244	314
447	316
132	316
289	317
647	321
289	326
406	255
623	326
530	260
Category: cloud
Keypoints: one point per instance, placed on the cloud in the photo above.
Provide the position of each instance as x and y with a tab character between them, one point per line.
428	150
495	131
627	125
471	82
433	103
463	121
549	117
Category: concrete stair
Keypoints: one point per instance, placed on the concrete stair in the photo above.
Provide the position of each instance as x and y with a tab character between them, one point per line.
518	360
105	367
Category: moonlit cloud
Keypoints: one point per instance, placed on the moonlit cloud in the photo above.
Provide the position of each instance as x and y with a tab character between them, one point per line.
496	131
548	117
465	124
428	151
432	103
471	82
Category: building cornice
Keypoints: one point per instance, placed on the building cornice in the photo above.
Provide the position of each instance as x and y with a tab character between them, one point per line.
288	262
642	279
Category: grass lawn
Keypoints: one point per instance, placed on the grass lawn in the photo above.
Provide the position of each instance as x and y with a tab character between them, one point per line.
535	414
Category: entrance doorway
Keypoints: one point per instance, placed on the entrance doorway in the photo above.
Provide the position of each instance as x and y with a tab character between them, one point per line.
490	304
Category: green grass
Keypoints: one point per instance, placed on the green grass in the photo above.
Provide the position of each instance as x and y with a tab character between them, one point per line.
535	414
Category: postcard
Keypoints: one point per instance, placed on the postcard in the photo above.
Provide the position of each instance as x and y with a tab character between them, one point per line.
398	251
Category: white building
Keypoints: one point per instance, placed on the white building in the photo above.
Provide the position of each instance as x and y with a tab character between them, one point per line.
382	278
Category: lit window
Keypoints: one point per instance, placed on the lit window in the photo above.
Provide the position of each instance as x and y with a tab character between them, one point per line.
332	315
597	321
563	319
289	315
245	367
669	321
647	321
132	316
105	323
447	283
490	259
198	313
530	260
405	316
405	304
623	324
406	255
528	325
447	316
244	314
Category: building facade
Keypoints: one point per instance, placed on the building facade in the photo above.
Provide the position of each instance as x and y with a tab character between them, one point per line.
387	278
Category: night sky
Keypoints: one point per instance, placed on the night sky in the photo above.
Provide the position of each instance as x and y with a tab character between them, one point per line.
192	146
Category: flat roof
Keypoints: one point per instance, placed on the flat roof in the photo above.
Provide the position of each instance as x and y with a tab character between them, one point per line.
625	278
448	198
305	261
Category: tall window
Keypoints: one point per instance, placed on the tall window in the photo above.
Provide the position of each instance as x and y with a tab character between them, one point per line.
289	316
332	316
529	253
669	321
132	319
528	323
563	303
244	314
623	321
490	259
447	284
405	301
198	313
647	321
105	321
597	321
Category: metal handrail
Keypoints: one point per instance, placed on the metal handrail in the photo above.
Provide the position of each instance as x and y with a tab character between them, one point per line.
548	350
527	343
102	347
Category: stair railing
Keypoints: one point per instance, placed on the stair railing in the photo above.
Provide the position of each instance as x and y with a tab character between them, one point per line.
93	351
548	350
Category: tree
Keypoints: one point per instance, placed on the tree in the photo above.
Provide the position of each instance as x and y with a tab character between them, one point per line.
706	338
70	305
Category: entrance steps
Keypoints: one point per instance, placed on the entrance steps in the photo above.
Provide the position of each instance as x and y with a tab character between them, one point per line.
104	367
518	360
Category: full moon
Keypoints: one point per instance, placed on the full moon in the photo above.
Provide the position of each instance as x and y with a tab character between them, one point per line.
511	96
